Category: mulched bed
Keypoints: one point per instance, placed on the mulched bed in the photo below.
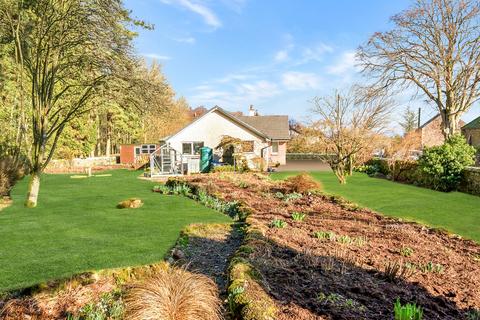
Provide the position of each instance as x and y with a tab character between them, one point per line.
311	278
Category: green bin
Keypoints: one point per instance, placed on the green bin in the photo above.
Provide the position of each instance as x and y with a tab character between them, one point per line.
206	158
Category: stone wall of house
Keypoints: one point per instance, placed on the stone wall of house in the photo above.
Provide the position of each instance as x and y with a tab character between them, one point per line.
471	181
432	133
472	136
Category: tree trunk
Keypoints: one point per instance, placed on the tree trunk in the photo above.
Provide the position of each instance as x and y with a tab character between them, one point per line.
339	173
33	189
108	147
449	124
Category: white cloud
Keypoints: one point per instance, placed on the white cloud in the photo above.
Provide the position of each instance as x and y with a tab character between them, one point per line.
206	13
344	64
156	56
233	77
281	56
257	90
315	53
234	96
300	80
189	40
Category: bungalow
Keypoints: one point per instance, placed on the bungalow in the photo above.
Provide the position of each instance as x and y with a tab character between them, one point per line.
266	139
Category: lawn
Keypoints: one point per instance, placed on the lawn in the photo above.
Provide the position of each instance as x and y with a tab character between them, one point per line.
455	211
76	227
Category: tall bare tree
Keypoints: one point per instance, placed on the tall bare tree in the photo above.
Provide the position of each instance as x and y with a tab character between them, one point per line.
349	122
69	49
435	48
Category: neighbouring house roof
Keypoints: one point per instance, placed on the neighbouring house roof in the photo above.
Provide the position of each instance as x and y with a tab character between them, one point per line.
475	124
268	127
429	121
275	127
460	122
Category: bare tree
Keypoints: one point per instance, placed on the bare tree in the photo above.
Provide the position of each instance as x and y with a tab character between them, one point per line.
349	123
435	48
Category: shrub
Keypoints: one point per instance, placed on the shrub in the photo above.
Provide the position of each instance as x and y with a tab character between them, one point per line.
407	312
376	165
172	294
278	223
302	183
443	165
227	168
297	216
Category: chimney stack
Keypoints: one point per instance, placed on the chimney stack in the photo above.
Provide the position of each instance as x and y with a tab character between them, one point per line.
251	111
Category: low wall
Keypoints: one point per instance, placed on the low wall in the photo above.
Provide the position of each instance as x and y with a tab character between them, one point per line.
471	181
80	165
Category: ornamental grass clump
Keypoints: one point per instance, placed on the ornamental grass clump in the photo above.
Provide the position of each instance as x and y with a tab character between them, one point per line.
302	183
173	294
131	203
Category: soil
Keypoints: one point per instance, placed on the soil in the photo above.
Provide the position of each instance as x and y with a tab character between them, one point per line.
208	251
348	278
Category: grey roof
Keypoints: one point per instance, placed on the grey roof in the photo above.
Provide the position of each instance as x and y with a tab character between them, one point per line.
274	127
474	124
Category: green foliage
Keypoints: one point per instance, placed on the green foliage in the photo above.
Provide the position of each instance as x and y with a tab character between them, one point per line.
163	189
407	312
431	267
109	307
292	196
278	223
473	315
443	165
406	251
325	235
297	216
374	166
231	208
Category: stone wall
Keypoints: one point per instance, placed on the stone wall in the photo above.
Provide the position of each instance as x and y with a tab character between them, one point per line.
80	165
471	181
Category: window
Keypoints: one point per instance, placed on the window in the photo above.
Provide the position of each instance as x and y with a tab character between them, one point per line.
248	146
192	148
274	147
137	151
145	149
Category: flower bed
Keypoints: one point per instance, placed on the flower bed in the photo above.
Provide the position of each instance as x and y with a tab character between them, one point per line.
344	262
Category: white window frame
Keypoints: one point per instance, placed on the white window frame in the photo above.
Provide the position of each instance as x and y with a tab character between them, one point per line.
192	150
149	148
278	147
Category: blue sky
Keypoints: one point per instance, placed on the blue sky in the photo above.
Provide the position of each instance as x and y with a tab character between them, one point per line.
274	54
